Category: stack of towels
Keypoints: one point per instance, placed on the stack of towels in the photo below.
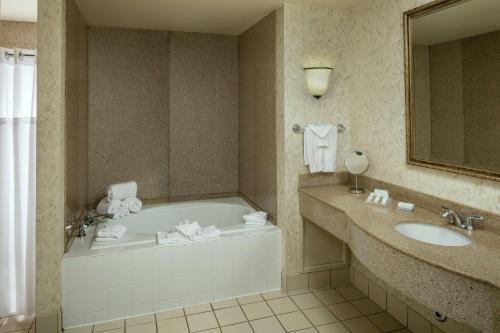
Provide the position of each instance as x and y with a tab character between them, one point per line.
187	231
110	232
121	200
255	218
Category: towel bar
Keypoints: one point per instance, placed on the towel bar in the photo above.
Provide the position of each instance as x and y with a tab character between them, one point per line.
298	129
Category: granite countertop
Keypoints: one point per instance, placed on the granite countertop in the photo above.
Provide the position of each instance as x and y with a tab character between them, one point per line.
479	260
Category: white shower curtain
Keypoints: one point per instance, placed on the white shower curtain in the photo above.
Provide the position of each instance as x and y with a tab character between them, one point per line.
17	181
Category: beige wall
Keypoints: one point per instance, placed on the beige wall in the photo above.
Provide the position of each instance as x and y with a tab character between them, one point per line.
128	110
446	102
163	110
257	105
378	108
311	36
481	68
50	158
203	115
76	127
15	34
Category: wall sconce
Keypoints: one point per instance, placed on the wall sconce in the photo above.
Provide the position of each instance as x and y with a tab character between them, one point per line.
317	80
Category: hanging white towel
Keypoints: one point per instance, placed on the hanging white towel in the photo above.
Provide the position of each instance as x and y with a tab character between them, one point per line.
320	147
115	207
122	191
134	204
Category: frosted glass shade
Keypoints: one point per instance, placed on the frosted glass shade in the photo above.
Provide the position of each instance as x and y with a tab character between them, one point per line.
317	80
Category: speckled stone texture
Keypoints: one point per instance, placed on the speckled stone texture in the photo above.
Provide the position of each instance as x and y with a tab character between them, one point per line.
128	110
257	105
76	126
50	156
14	34
203	131
461	282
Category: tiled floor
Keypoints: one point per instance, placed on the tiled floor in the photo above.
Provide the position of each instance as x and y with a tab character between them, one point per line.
333	310
19	324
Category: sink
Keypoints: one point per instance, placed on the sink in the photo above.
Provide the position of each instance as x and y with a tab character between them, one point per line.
432	234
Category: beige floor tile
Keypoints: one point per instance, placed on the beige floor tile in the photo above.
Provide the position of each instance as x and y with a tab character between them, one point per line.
267	325
198	308
140	320
17	323
350	292
201	322
361	325
172	325
238	328
142	328
307	330
170	314
282	305
257	310
213	330
332	328
250	299
230	316
320	316
85	329
306	301
344	311
329	296
294	321
226	303
436	330
273	294
404	330
110	325
366	306
117	330
385	322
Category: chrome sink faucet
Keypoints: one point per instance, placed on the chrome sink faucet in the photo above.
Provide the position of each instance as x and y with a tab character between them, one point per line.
459	219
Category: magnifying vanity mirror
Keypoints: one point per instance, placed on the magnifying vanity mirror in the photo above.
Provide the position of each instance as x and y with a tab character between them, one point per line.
452	53
356	163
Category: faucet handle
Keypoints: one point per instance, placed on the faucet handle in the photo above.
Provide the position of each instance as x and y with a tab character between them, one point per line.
469	221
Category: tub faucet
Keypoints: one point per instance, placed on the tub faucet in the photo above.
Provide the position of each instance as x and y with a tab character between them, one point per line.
88	220
459	219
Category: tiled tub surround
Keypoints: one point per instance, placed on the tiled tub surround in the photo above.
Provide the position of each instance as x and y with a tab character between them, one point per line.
460	282
108	284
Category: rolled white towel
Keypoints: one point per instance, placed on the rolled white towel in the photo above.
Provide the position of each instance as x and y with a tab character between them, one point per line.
188	229
121	191
255	218
134	204
111	232
115	207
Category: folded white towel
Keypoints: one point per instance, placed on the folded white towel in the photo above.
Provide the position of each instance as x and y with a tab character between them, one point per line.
133	204
122	191
320	148
111	232
115	207
255	218
171	237
188	229
208	232
322	131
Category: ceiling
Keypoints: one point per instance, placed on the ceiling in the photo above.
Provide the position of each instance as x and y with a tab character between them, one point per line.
230	17
465	19
18	10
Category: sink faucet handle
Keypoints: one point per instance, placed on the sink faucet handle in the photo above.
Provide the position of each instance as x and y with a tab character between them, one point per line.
469	221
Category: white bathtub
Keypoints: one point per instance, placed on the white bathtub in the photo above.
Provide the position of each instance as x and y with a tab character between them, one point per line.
225	213
103	281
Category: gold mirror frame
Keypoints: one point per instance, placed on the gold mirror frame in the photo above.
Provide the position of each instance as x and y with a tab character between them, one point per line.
408	16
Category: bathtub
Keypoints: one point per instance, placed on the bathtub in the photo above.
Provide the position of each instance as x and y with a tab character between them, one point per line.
104	281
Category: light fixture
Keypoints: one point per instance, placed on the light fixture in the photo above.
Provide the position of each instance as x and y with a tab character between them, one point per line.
317	80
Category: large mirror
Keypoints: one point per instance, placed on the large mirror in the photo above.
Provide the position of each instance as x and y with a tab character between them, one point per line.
452	52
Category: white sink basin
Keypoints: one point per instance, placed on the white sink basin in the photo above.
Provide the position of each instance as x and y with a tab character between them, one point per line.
432	234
